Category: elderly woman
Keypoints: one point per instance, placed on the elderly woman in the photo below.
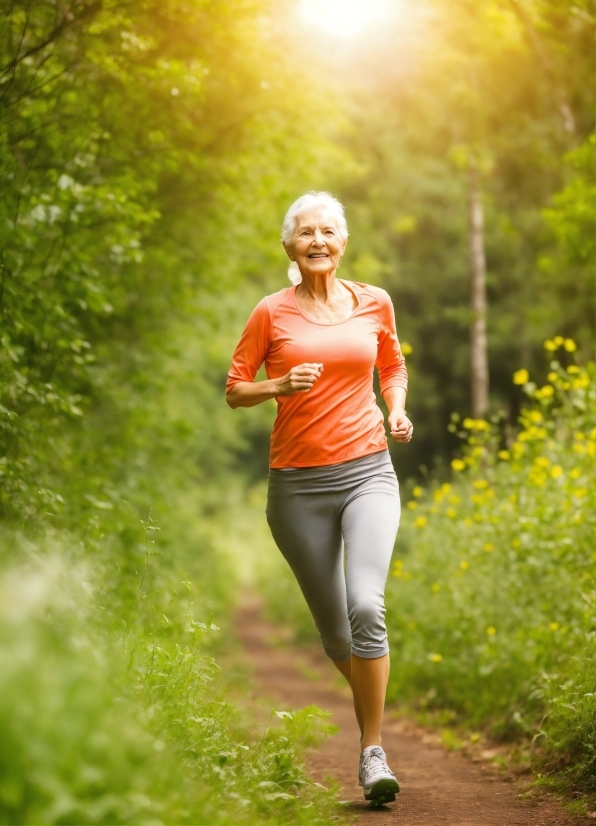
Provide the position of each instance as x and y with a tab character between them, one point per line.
333	492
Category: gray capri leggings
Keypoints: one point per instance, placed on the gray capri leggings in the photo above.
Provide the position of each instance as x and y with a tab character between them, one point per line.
314	513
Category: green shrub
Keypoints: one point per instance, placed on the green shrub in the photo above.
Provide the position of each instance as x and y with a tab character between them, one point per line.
491	602
120	716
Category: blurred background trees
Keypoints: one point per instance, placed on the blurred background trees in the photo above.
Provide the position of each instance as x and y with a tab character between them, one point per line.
148	154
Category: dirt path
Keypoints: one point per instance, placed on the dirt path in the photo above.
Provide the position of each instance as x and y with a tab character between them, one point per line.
439	788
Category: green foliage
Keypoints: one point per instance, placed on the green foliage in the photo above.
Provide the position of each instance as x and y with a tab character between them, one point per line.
106	719
133	143
491	602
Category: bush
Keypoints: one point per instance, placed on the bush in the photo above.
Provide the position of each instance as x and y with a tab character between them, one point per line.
121	717
491	602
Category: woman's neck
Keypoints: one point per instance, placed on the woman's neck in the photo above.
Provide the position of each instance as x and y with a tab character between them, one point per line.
321	288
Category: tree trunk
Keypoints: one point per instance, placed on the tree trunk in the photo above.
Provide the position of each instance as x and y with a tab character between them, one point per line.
478	344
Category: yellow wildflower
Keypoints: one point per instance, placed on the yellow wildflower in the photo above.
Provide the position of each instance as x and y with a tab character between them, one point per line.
504	455
458	465
579	448
575	473
550	345
579	493
488	547
566	385
468	424
542	461
554	626
556	471
435	658
477	499
455	500
573	368
406	348
558	340
583	381
420	521
544	392
591	448
468	521
518	450
535	416
435	587
553	377
417	491
521	376
464	565
579	436
451	513
445	487
412	506
480	484
516	543
570	345
491	631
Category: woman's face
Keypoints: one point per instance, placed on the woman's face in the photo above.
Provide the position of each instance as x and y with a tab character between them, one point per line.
316	245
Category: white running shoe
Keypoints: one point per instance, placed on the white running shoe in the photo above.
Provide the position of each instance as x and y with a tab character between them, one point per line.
376	778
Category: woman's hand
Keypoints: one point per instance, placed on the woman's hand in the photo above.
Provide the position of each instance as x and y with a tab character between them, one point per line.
250	393
300	378
400	426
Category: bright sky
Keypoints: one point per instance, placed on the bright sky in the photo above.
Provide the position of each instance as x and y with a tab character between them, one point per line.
345	17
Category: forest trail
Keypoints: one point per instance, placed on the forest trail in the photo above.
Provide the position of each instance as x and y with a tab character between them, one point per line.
439	788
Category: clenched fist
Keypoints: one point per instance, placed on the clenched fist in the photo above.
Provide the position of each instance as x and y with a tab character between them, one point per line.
299	379
400	426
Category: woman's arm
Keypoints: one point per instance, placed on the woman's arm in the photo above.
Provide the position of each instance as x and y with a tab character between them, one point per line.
400	426
250	393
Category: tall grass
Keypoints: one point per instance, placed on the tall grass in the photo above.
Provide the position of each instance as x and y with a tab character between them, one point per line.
112	706
492	598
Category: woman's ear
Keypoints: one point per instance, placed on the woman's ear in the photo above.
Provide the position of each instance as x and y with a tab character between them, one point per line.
288	251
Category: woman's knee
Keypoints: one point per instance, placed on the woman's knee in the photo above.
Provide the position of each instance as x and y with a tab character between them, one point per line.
337	648
369	633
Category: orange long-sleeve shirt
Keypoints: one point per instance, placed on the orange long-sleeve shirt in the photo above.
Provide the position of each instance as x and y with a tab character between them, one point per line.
338	419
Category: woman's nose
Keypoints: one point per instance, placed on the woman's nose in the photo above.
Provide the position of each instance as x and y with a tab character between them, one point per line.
319	237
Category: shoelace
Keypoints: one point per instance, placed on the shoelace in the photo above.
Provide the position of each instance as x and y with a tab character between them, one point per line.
375	763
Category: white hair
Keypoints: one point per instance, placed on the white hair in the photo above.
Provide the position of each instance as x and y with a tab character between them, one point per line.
303	204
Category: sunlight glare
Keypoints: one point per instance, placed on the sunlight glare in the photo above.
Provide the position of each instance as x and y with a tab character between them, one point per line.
344	17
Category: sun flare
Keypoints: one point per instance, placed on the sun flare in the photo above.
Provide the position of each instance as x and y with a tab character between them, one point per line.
344	17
